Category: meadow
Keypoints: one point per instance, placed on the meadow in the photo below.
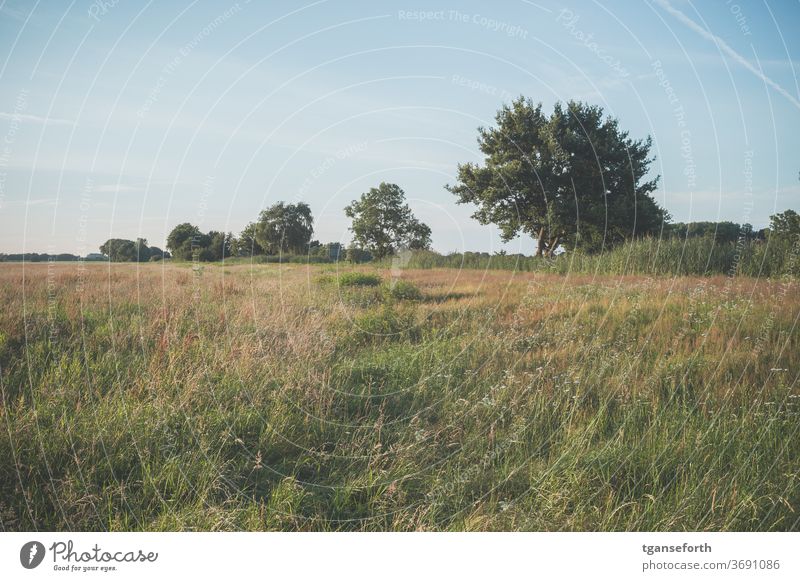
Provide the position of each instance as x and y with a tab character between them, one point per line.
329	397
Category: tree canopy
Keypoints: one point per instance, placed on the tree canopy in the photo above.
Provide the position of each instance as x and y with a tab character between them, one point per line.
119	250
285	228
246	244
185	240
573	178
785	226
725	231
383	223
122	250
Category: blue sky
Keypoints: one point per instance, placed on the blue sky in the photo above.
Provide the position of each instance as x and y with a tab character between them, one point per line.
123	119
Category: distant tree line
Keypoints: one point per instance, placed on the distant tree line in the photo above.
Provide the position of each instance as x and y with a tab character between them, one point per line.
122	250
771	252
572	179
718	231
382	224
36	257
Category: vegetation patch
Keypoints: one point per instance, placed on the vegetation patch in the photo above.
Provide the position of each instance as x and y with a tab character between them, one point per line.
585	403
385	324
403	290
355	279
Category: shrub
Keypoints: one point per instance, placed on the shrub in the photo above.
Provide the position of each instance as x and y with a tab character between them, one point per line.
359	279
385	324
358	255
403	290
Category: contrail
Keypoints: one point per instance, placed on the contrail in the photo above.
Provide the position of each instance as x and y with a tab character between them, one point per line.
726	49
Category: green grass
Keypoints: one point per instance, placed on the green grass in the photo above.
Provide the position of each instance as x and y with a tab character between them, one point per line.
255	398
359	279
403	290
649	256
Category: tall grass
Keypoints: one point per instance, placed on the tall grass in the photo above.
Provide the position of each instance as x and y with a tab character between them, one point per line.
649	256
152	397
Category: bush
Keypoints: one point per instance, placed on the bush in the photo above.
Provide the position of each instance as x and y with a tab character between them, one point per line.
277	259
385	324
358	255
359	279
403	290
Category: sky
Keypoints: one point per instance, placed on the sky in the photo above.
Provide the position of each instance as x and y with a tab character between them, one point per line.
122	119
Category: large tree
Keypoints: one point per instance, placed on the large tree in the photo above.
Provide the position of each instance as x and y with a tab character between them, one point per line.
143	251
246	244
120	250
220	244
383	223
572	178
186	242
285	228
785	226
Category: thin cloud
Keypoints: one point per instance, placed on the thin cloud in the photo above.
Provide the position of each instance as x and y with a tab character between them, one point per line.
141	187
19	15
35	119
114	188
725	47
24	203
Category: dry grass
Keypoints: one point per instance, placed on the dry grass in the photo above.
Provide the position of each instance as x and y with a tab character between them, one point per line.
159	397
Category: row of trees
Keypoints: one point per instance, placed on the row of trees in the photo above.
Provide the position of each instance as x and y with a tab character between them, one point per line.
187	242
122	250
374	237
719	231
572	179
382	224
37	257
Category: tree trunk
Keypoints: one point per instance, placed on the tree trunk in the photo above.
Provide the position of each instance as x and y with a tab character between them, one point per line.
552	245
540	243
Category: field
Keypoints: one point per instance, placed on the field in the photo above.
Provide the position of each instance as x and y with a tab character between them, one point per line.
295	397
